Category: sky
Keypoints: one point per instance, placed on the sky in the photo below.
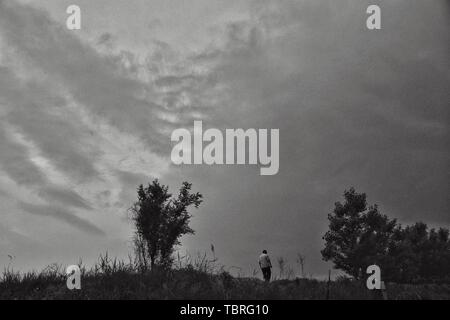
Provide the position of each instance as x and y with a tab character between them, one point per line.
86	116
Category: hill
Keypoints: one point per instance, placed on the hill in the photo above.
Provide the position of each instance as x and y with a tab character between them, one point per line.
122	281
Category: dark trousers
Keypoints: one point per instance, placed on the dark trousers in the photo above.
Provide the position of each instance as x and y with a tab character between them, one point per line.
266	273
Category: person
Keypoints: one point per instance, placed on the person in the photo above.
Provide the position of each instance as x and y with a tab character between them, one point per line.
265	265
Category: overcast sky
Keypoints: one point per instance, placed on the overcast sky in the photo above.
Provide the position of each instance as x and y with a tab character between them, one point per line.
87	115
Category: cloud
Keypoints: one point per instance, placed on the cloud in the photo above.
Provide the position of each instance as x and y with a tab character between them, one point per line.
106	39
63	215
64	196
349	103
12	242
354	108
70	115
28	105
14	160
91	79
16	163
83	123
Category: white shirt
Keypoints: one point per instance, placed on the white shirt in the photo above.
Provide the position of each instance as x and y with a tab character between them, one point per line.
264	261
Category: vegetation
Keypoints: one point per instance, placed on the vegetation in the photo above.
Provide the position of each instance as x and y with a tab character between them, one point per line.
199	278
160	220
360	236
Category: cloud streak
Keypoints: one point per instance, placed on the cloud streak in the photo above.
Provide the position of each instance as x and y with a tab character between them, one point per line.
61	214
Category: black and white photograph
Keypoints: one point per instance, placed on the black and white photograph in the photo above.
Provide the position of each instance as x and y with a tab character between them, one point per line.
212	152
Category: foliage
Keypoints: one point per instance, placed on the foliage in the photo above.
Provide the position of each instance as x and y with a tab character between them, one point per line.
359	236
160	220
419	255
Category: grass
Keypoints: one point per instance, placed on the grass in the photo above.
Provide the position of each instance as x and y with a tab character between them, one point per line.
198	278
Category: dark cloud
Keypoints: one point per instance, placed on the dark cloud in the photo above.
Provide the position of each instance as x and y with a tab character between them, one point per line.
354	108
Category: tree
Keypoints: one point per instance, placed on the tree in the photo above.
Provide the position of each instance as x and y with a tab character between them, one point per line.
358	235
160	220
418	255
301	261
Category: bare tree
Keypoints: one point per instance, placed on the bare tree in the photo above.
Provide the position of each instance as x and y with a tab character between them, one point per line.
281	265
301	261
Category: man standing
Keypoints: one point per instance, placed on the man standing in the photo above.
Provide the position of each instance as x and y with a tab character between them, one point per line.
265	265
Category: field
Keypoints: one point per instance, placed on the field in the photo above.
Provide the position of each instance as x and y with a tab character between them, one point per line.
117	280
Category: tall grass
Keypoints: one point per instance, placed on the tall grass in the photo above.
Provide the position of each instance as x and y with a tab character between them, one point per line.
192	277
